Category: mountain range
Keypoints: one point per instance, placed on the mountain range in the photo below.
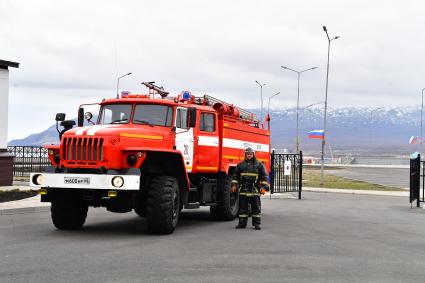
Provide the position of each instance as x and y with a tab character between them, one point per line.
350	129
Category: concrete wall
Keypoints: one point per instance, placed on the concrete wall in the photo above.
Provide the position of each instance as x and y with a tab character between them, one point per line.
4	105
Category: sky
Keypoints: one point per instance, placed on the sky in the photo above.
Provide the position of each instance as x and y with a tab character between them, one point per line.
71	52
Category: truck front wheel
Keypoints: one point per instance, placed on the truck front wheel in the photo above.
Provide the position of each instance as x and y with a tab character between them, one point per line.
163	205
68	212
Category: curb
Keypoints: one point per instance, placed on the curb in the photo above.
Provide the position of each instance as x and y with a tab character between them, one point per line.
358	192
293	195
27	205
23	210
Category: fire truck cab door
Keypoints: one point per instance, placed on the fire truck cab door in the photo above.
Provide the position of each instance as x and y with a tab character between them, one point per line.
184	137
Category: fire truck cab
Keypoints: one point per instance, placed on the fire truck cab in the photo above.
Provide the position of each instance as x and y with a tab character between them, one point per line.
155	156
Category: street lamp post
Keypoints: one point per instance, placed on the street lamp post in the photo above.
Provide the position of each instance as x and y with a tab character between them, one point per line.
118	82
326	106
422	108
270	97
261	94
298	100
370	123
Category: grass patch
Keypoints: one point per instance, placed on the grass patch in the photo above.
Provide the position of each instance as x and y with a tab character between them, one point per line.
311	178
21	179
16	195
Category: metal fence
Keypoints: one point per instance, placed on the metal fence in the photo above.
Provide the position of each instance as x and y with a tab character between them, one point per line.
28	159
286	173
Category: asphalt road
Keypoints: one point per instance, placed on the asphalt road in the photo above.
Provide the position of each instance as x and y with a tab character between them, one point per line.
323	238
393	177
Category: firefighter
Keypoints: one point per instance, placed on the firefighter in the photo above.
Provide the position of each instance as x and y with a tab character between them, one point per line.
250	178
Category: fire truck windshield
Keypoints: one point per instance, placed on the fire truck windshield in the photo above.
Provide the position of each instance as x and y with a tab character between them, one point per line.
153	114
115	114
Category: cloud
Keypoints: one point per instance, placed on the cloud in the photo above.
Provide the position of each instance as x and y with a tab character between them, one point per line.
77	48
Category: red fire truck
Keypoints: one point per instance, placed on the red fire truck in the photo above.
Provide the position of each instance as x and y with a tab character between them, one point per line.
152	154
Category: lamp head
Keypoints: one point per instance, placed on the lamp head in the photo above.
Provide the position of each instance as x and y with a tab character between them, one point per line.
324	29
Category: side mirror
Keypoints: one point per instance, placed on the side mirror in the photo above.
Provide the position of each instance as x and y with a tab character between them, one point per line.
67	125
60	117
80	117
192	117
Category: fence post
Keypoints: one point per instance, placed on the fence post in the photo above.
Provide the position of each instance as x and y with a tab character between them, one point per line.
300	172
418	196
421	164
272	174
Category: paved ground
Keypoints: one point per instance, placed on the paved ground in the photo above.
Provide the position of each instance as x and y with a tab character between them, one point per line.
323	238
393	177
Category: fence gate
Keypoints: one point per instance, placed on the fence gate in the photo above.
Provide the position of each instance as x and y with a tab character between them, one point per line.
286	173
417	178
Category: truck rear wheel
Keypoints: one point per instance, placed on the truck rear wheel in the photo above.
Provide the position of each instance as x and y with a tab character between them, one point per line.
227	208
163	205
68	212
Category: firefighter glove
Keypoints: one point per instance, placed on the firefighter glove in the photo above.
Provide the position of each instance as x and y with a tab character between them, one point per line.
262	191
234	189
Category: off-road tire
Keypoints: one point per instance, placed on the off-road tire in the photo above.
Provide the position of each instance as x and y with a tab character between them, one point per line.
68	212
162	206
140	211
227	208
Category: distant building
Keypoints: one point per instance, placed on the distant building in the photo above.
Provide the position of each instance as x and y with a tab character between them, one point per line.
6	160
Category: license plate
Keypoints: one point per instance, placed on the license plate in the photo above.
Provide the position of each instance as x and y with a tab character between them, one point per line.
77	180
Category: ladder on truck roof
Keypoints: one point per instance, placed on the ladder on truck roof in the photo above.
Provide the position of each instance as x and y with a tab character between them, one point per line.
244	114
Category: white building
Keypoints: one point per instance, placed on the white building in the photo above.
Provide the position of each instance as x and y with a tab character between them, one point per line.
6	160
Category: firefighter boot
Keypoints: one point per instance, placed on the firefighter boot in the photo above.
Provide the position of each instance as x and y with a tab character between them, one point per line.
242	223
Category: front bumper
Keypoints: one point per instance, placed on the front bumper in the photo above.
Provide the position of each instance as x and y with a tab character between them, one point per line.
85	181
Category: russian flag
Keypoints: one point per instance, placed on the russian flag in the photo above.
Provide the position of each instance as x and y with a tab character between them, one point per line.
316	134
413	140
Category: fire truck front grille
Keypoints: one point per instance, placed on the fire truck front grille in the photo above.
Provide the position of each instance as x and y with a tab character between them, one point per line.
83	149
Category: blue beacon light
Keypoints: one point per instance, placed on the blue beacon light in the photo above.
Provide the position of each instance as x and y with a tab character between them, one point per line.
186	95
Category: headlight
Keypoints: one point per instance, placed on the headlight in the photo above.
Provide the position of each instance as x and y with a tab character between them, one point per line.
117	182
38	179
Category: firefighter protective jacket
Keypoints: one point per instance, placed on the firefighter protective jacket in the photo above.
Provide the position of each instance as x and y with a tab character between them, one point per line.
250	175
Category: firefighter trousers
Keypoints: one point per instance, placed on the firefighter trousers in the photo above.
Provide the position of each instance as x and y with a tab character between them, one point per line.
255	209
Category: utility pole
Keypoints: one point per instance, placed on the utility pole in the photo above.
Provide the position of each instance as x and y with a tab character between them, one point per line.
326	107
298	101
261	95
118	83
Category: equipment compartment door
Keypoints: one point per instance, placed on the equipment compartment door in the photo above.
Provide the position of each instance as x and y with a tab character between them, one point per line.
184	137
208	149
